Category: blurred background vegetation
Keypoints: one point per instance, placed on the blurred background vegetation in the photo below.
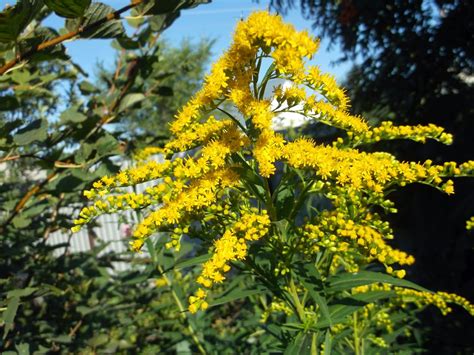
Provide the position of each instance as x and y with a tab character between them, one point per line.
59	131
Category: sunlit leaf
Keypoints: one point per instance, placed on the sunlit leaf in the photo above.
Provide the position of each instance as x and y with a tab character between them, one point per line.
68	8
13	20
97	11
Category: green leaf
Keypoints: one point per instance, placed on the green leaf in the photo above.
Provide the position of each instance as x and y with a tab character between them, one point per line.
327	343
8	103
128	43
68	183
311	279
23	349
21	222
129	100
192	261
237	294
96	12
342	308
9	315
158	7
72	115
87	88
347	281
35	131
300	345
136	278
36	208
68	8
13	20
92	151
7	127
40	35
84	311
159	23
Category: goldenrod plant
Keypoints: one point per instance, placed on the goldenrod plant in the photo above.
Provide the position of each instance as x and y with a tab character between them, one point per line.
302	224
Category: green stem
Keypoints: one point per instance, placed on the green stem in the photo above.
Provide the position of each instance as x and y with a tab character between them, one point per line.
269	200
357	347
300	201
255	76
314	344
233	119
266	78
296	300
183	312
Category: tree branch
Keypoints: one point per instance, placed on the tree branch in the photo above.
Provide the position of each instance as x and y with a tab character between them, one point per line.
33	191
57	40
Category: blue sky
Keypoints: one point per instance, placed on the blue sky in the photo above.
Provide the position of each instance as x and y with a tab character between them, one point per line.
215	20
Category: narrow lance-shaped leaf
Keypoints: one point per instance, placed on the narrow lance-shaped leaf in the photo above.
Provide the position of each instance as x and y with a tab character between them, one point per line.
347	281
311	279
237	294
301	344
9	315
342	308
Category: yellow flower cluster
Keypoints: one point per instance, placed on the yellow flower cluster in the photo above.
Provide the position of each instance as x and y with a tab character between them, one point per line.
331	112
420	298
351	240
275	306
470	223
231	76
213	156
387	131
438	299
232	246
326	84
360	170
198	134
380	317
141	173
200	194
111	204
145	153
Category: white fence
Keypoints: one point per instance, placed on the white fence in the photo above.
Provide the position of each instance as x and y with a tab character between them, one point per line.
109	231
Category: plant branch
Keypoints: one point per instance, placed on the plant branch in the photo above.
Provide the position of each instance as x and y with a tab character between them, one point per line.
182	311
59	39
33	191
